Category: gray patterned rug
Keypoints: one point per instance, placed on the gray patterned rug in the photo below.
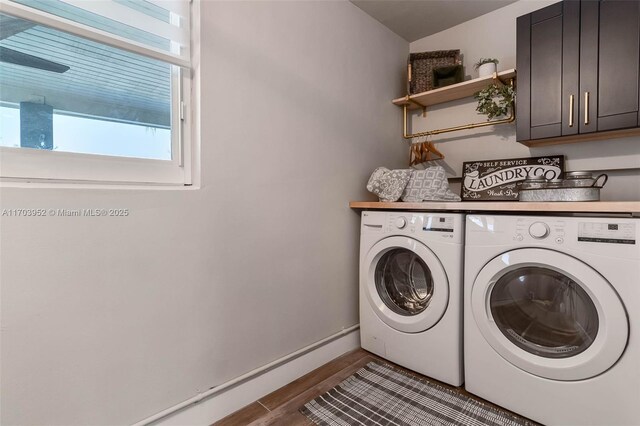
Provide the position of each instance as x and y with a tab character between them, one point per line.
383	395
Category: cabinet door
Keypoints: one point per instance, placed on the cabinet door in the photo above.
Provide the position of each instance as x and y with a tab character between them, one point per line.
548	42
609	65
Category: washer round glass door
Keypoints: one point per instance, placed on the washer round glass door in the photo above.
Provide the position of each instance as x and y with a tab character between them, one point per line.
405	284
549	314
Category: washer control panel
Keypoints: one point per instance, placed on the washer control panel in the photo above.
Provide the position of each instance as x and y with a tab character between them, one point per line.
441	227
438	224
414	223
400	222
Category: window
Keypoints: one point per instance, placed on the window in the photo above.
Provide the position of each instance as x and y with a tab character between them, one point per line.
95	90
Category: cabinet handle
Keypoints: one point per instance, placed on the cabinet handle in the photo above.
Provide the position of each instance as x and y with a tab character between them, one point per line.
571	111
586	108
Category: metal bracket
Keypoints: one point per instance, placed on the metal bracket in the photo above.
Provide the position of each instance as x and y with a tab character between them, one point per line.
424	107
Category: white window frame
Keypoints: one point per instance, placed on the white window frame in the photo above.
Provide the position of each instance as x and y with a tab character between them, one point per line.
33	165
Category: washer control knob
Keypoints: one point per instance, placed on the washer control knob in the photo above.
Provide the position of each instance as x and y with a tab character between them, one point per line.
401	222
539	230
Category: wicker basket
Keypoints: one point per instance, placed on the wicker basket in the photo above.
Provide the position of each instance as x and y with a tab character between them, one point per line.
421	66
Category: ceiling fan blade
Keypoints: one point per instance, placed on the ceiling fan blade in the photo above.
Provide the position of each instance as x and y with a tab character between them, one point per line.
10	26
18	58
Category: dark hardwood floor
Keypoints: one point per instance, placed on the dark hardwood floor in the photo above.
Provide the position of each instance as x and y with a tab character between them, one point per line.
281	406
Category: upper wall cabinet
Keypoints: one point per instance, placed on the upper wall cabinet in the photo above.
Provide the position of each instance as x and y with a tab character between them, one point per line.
578	71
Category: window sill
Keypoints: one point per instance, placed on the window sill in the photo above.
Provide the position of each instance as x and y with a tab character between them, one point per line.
60	184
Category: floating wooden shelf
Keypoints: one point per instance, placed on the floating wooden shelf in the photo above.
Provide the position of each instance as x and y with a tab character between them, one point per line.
626	207
453	92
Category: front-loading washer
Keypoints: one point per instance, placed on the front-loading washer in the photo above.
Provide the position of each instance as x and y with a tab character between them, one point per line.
552	313
411	291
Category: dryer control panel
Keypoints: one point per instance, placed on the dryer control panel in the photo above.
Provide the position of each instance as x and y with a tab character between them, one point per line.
540	230
611	237
607	232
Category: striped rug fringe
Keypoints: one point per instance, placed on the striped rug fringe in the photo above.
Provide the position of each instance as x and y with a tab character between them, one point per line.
380	394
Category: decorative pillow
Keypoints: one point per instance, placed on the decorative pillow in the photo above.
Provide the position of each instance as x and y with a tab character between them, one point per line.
430	184
388	184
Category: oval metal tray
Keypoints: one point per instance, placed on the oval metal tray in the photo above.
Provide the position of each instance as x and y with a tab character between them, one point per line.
560	194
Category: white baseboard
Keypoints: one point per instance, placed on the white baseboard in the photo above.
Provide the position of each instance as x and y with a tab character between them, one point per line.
232	399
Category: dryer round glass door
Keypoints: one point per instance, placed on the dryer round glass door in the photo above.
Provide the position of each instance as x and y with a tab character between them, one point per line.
405	284
544	312
549	314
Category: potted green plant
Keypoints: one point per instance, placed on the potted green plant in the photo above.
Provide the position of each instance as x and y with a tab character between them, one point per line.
486	66
495	100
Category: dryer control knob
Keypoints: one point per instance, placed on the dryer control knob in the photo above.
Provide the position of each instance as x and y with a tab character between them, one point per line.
401	222
539	230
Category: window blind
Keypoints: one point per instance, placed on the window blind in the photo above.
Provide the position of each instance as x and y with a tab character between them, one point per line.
159	29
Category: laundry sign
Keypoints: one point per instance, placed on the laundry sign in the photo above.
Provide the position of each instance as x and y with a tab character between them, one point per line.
501	179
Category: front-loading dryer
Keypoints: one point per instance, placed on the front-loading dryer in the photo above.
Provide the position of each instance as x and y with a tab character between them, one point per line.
411	291
552	313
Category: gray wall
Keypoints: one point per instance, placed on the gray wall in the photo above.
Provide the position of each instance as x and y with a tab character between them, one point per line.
494	35
110	320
